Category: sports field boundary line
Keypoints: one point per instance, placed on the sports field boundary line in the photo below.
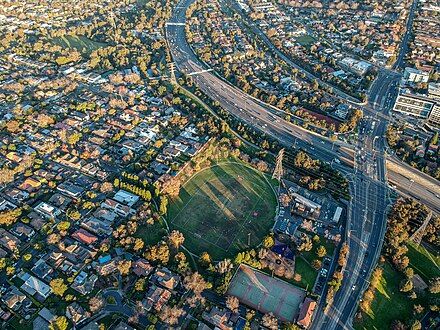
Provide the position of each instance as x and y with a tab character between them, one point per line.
197	193
219	164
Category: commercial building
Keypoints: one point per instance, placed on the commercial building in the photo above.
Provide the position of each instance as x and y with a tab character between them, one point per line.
434	90
411	75
414	105
434	116
419	106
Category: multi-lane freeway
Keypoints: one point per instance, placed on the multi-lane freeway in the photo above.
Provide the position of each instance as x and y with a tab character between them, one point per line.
252	112
367	221
368	178
243	106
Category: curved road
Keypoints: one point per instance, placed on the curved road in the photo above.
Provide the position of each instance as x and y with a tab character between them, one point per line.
265	119
368	207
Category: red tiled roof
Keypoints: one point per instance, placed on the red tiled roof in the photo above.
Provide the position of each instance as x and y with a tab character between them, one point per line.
306	312
84	236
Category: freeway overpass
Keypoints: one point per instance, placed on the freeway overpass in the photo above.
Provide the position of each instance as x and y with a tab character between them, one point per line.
363	164
265	119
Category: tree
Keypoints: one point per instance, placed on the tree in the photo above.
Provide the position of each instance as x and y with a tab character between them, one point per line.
3	263
124	267
170	315
224	266
195	283
268	241
270	321
321	251
418	309
306	243
163	205
63	225
232	303
406	285
106	187
342	259
415	325
140	284
9	217
138	244
58	286
285	200
409	273
27	257
159	252
96	304
205	259
316	264
59	323
176	238
397	325
435	139
434	285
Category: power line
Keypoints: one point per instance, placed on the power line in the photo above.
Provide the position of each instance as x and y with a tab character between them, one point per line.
418	234
278	171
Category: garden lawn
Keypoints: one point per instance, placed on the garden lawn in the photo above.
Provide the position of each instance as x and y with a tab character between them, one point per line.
389	303
307	272
223	208
305	40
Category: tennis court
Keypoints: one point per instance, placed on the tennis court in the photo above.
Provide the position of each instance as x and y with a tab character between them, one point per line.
266	294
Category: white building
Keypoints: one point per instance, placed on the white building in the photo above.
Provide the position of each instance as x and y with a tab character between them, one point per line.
412	75
33	285
419	106
126	198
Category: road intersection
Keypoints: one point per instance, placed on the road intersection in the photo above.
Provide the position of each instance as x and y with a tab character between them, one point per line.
368	177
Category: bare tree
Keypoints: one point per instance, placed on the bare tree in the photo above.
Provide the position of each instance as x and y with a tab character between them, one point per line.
285	199
195	283
224	266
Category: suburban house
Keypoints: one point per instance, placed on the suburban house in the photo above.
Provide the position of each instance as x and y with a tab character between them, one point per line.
306	313
33	286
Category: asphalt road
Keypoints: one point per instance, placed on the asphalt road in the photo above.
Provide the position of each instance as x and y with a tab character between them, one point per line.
367	214
243	106
400	61
368	179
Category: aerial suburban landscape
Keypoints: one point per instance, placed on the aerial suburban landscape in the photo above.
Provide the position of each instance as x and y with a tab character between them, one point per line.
220	164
